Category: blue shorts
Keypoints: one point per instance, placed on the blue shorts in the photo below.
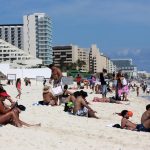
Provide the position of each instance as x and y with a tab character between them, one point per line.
140	127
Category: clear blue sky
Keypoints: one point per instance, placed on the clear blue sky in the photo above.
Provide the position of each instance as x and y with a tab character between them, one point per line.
120	28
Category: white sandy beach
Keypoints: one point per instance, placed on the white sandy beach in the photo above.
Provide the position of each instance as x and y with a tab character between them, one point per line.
59	130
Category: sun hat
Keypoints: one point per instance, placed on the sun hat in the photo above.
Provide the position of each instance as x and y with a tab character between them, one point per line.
46	89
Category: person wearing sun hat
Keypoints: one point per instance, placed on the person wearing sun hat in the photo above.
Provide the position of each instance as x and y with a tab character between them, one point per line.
48	98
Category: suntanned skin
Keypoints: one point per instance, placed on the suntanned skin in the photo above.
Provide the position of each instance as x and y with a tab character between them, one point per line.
49	98
126	124
56	73
11	115
145	119
70	98
105	100
79	103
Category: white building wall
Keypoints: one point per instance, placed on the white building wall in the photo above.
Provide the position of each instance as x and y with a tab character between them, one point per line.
29	35
38	36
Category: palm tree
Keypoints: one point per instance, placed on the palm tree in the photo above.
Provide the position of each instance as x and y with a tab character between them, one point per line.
80	63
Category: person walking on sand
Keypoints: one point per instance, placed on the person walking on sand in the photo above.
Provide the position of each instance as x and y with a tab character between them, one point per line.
18	86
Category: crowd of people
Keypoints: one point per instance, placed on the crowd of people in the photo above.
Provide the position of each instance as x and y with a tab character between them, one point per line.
75	103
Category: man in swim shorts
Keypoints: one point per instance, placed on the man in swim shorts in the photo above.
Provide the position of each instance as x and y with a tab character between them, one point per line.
145	121
81	107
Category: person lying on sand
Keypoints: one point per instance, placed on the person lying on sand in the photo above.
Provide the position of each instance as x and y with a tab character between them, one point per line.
125	123
105	100
48	98
81	107
11	115
145	120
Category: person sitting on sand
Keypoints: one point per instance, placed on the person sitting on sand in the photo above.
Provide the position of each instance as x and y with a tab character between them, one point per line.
11	115
48	98
81	107
70	100
125	123
8	97
105	100
145	121
65	94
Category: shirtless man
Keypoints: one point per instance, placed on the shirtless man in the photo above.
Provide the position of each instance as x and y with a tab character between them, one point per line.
48	98
11	115
81	107
125	123
56	75
145	120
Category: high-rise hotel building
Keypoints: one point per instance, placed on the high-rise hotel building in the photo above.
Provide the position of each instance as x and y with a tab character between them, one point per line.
13	34
37	30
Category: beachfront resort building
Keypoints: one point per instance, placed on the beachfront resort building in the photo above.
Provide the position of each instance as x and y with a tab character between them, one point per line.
70	54
12	33
94	60
126	66
111	67
15	56
37	31
97	60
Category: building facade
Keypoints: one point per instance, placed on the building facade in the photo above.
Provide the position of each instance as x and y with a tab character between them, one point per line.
13	34
12	54
37	30
111	67
97	61
126	66
70	54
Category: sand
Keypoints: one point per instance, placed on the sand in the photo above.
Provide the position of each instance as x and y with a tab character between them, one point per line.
59	130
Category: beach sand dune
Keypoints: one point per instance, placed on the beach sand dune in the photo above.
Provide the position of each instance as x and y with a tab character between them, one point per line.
60	130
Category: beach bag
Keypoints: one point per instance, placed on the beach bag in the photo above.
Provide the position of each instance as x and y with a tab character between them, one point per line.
124	81
56	91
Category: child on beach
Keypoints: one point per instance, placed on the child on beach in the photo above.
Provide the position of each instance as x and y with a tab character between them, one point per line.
18	86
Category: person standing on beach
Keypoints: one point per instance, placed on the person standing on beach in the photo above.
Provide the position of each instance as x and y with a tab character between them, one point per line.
137	90
18	86
78	80
103	83
56	75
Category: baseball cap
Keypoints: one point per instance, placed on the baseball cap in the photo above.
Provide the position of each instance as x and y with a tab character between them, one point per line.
130	113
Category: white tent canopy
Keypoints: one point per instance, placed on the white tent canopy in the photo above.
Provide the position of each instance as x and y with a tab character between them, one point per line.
22	73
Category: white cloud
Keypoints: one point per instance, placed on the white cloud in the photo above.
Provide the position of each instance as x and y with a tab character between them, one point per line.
123	52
